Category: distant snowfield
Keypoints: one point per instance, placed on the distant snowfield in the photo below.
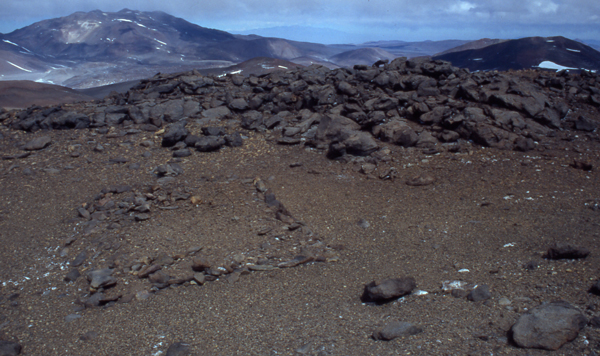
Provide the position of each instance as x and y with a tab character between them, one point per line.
573	50
21	68
552	65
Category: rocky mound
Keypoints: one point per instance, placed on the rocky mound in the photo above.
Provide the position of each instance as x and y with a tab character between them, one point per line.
419	102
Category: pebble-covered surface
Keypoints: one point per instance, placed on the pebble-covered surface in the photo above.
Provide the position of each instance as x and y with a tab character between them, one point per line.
114	245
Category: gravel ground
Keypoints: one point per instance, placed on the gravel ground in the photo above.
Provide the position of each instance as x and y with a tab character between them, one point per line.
486	214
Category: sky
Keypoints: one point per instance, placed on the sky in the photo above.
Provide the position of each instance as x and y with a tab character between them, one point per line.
348	21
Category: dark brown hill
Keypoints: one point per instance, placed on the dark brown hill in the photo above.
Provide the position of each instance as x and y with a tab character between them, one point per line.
527	53
481	43
24	93
361	56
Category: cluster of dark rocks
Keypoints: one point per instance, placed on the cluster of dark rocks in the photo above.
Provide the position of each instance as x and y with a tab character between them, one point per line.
419	102
119	205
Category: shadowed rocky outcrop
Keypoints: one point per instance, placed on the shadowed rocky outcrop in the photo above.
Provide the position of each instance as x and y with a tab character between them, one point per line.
425	103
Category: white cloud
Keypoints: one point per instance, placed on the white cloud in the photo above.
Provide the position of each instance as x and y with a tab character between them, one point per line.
461	7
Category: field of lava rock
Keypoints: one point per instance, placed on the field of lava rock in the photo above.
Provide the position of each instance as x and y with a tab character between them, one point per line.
406	208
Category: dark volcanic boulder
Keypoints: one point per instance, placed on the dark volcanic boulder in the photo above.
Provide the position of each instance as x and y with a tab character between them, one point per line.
396	132
566	251
388	289
548	326
210	143
174	133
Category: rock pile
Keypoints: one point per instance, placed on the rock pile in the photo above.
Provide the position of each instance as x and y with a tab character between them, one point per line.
418	102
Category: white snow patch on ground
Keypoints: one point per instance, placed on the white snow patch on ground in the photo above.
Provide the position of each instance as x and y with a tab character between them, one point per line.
478	59
139	24
552	65
124	20
161	42
550	41
21	68
573	50
236	72
12	43
283	67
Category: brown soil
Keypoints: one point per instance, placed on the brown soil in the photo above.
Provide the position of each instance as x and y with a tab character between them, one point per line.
488	211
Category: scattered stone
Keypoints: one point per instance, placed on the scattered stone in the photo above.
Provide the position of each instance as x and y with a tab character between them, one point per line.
420	180
595	289
480	293
531	265
9	348
185	152
69	318
72	275
178	349
561	251
583	165
363	223
595	322
298	260
79	259
396	329
148	270
90	335
584	124
141	217
388	290
159	277
101	278
200	264
38	143
548	326
261	267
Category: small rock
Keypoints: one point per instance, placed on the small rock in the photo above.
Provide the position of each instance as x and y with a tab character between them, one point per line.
480	293
94	301
595	289
178	349
298	260
142	217
595	322
531	265
583	165
159	277
90	335
420	180
185	152
148	271
548	326
396	329
200	264
199	278
9	348
142	295
387	290
79	259
69	318
101	278
504	301
584	124
363	223
566	251
38	143
72	275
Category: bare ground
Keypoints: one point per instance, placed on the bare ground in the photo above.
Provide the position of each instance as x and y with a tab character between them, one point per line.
488	212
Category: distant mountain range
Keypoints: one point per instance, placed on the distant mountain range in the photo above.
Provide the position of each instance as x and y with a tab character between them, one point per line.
91	49
553	53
